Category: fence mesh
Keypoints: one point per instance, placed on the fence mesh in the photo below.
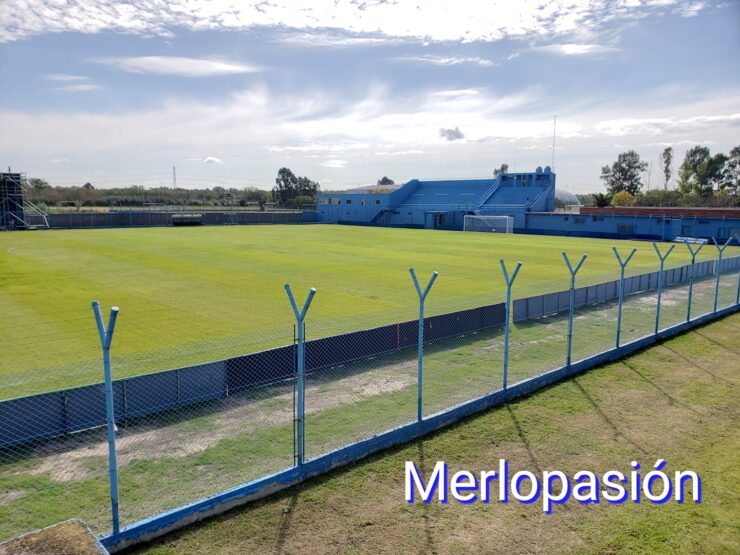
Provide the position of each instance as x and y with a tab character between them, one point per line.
204	414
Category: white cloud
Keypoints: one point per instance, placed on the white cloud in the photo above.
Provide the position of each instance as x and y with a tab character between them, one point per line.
398	152
79	87
456	93
65	77
213	160
690	9
364	22
661	126
572	49
353	135
334	163
339	146
72	83
446	60
175	65
320	39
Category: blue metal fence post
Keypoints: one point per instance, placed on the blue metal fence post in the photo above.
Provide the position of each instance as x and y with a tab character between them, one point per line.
622	266
509	282
300	363
737	295
106	337
662	258
572	299
420	375
691	275
718	269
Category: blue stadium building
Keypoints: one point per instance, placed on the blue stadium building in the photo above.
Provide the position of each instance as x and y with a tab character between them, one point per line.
527	198
442	204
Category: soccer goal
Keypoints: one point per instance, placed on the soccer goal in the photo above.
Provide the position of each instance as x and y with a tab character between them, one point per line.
489	224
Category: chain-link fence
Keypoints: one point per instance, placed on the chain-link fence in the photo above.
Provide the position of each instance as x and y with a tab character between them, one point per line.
169	427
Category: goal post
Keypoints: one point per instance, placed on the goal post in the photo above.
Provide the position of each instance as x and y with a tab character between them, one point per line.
488	224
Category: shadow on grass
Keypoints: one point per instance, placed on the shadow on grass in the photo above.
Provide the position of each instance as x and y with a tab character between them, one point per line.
617	432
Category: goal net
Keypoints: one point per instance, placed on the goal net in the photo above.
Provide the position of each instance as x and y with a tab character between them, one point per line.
489	224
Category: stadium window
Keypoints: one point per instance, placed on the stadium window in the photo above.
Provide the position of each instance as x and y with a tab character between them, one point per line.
579	220
349	201
377	201
362	202
626	229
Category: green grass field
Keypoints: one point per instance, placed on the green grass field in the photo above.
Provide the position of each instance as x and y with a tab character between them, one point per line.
182	455
676	401
198	294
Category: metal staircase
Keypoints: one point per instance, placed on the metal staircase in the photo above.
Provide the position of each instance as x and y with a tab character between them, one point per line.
15	212
490	192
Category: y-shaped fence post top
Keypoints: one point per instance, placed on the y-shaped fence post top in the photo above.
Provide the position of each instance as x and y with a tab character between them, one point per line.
423	294
578	266
509	282
723	247
299	315
662	256
106	335
691	250
626	260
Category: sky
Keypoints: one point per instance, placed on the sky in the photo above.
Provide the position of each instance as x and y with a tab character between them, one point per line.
347	91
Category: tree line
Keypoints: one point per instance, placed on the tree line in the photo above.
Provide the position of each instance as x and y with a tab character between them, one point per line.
290	191
703	179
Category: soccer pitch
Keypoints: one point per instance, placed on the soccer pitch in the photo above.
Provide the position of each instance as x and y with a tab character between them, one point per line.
192	295
197	294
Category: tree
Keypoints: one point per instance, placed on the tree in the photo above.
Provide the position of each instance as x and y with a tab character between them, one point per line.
667	159
624	174
386	181
717	174
601	200
623	198
503	169
732	172
700	172
288	187
38	184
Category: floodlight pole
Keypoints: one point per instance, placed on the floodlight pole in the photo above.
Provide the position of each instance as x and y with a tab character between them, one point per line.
622	266
572	302
420	375
662	258
691	276
720	250
509	282
106	337
300	363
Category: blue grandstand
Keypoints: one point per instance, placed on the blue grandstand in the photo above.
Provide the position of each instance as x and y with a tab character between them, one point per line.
527	198
442	204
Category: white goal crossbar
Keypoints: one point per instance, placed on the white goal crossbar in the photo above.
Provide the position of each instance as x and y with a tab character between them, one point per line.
489	224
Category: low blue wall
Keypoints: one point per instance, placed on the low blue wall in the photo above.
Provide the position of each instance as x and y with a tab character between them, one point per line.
72	410
145	218
553	303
